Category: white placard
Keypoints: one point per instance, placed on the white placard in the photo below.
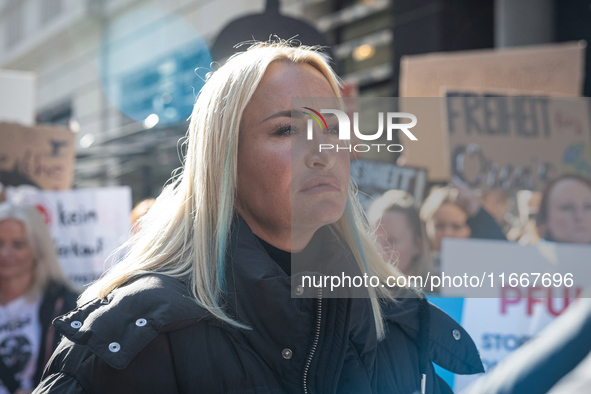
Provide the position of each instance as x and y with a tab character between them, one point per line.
87	225
492	268
500	319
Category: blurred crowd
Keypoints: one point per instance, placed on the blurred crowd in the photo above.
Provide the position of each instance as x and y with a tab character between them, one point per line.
410	234
33	289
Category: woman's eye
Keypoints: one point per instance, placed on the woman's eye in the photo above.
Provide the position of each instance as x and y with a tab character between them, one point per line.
567	208
19	245
333	130
285	130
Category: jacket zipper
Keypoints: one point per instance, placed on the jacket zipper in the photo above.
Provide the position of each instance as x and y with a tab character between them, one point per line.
315	343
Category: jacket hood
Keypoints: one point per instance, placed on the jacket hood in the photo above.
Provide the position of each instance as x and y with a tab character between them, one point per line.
117	328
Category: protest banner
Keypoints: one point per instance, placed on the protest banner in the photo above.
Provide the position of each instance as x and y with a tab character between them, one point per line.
501	323
40	156
516	142
544	70
498	139
374	178
494	268
87	225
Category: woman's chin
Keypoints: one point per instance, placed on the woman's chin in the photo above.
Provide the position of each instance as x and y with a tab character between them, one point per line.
316	215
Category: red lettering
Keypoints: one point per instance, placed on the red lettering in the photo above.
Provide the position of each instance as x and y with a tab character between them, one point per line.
551	310
531	299
506	300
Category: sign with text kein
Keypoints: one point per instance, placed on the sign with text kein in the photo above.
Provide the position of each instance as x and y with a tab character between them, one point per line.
40	156
87	225
516	142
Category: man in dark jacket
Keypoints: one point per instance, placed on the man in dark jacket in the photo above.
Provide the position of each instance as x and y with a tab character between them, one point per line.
150	336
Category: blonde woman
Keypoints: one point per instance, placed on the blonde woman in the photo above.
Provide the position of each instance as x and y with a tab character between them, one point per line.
400	232
203	303
33	292
457	213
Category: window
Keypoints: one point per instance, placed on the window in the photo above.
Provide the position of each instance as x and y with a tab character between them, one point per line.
50	9
58	116
14	24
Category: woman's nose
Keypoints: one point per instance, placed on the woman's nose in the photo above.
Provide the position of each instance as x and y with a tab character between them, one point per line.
449	232
322	159
578	213
321	154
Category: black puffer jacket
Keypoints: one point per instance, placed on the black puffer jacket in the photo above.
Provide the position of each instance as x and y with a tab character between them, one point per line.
151	337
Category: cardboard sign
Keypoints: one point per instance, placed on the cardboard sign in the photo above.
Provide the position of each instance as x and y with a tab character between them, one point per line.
554	68
87	225
40	156
499	140
374	178
515	142
544	70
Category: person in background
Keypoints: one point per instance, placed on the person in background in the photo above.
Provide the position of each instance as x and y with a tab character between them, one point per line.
565	211
33	292
496	202
400	232
138	211
456	213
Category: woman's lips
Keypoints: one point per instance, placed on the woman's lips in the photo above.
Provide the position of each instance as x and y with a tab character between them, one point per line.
321	185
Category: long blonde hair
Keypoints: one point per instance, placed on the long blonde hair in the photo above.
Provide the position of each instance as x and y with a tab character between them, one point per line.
401	201
185	234
47	269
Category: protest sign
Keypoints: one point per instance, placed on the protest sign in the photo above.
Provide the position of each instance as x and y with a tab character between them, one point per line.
86	225
494	139
374	178
492	268
512	314
515	142
40	156
545	70
549	68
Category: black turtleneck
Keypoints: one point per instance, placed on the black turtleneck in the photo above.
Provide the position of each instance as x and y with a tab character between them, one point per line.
281	257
